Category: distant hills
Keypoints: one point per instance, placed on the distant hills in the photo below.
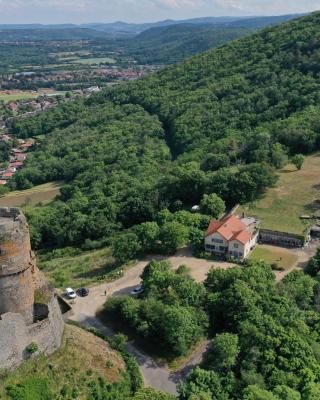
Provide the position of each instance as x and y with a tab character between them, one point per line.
123	28
50	33
163	42
172	43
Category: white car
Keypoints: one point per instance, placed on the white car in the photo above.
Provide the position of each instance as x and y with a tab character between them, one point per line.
137	290
71	294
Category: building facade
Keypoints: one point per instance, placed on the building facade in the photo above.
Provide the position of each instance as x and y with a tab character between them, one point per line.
233	236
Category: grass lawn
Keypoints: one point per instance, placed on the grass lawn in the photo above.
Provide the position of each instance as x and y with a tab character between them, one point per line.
80	269
284	258
20	96
297	193
31	197
82	358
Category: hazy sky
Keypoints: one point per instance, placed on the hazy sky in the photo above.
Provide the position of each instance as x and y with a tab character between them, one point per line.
78	11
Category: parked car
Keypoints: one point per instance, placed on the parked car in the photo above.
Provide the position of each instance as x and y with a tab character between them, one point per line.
137	290
83	292
70	293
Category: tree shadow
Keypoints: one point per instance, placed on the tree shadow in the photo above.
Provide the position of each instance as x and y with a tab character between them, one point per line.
98	272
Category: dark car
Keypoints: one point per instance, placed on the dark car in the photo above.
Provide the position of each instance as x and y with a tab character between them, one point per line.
83	292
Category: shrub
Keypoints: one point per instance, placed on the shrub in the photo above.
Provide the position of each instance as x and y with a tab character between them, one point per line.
32	348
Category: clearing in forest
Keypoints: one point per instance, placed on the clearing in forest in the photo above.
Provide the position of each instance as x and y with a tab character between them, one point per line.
31	197
297	193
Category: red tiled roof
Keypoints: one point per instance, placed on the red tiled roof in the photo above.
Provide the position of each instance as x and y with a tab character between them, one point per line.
242	237
8	174
230	228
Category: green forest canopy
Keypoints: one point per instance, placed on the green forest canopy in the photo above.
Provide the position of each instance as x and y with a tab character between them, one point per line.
220	123
265	335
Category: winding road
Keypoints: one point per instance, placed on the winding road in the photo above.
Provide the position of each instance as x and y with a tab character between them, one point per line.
155	375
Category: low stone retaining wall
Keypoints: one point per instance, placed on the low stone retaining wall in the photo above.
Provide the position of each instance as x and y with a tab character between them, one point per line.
283	239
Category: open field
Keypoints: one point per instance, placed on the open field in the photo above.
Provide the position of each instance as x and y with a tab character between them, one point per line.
284	258
38	194
80	269
297	193
19	96
82	359
88	61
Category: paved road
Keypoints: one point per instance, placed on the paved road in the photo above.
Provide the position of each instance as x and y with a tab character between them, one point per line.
157	376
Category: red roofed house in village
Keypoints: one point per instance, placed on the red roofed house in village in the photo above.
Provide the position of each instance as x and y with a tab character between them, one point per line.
25	146
7	175
232	235
13	106
20	156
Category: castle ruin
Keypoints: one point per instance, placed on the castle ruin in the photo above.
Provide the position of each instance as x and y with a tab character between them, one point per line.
29	310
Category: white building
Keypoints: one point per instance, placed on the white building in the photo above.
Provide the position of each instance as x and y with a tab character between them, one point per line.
232	235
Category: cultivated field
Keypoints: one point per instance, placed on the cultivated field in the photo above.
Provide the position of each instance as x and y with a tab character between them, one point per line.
82	358
31	197
18	96
102	60
297	193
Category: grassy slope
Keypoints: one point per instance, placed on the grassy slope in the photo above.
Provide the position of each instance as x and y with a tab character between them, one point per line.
41	193
296	194
82	358
79	270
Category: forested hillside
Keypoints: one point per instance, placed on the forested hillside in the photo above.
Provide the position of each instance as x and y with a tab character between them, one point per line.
220	123
168	45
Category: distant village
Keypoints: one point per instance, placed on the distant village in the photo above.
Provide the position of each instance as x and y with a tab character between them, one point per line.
17	158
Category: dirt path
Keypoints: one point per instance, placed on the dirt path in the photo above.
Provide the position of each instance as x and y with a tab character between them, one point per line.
304	254
85	309
159	377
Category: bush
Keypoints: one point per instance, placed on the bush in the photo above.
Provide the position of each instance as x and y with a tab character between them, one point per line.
212	205
32	348
173	235
126	247
31	389
313	266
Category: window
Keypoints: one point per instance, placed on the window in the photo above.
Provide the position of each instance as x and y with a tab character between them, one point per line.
240	254
235	245
222	248
217	240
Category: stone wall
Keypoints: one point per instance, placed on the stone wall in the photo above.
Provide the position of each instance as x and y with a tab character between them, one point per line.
21	320
280	238
16	265
16	335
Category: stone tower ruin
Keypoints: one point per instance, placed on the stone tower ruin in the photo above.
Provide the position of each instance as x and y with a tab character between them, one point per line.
29	310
